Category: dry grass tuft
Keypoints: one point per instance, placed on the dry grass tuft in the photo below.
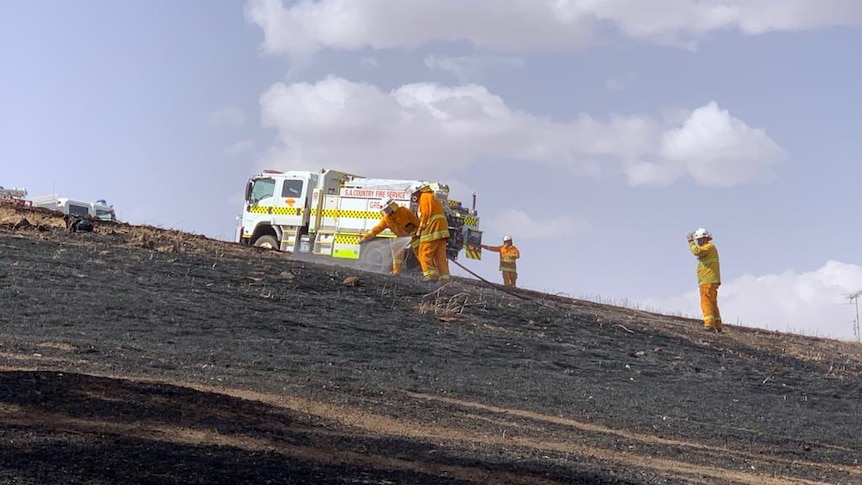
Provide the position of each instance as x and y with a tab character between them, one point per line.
440	305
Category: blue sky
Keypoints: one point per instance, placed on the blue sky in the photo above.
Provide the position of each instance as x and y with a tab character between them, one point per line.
597	134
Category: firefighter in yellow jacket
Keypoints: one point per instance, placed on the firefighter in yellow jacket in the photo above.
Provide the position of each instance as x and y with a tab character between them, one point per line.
431	238
402	222
508	254
708	277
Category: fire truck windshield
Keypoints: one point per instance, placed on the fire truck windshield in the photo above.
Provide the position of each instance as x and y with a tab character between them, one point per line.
262	189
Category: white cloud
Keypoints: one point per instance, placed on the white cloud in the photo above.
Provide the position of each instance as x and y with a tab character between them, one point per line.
521	225
368	61
307	26
718	149
586	167
429	129
470	68
660	174
812	303
227	116
620	82
240	147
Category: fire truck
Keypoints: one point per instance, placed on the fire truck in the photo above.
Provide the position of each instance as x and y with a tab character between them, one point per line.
325	213
14	196
99	209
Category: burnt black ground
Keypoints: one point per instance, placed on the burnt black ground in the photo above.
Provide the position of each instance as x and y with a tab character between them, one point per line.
135	355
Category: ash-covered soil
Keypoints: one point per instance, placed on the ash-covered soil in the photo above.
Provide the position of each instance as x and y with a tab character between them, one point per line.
146	356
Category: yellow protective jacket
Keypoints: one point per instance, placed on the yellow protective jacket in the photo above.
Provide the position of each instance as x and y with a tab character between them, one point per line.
708	268
508	255
402	223
432	218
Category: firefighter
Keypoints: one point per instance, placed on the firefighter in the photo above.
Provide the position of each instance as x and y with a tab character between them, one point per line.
508	254
402	222
431	238
708	277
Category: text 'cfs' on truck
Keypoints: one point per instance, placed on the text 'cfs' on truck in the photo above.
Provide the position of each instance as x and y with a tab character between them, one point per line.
324	214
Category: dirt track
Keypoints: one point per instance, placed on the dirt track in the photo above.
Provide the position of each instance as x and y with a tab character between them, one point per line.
136	355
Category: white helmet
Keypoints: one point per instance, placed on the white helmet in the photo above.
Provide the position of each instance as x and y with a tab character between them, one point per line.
701	233
507	238
386	203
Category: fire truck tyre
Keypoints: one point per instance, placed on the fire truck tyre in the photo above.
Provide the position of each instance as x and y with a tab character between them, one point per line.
375	256
266	242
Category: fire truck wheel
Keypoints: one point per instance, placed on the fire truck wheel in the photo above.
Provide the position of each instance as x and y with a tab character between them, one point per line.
266	242
375	256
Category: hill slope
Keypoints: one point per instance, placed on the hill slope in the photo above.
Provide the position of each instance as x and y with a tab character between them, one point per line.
140	355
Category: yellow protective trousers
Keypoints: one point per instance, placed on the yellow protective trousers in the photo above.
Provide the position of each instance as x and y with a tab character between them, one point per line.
509	278
508	268
709	305
432	259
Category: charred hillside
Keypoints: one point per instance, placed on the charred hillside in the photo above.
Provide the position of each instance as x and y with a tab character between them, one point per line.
140	355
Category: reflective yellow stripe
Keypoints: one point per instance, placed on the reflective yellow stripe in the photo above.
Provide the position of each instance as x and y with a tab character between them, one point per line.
346	238
346	214
281	211
444	234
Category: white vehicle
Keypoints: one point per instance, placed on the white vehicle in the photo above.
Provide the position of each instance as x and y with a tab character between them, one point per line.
13	196
99	209
325	213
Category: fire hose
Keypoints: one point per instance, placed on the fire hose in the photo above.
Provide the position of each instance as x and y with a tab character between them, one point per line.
496	286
